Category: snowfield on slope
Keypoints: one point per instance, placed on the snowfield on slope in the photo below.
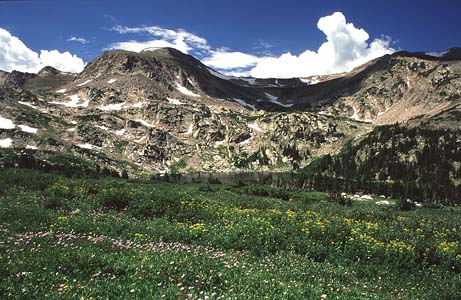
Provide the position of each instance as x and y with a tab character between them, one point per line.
6	123
74	102
243	103
275	100
84	83
28	129
6	143
175	101
185	91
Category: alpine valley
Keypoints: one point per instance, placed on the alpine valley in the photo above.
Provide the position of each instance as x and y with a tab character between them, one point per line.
162	111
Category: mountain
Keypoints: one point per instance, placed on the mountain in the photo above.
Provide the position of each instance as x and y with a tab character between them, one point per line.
164	111
405	162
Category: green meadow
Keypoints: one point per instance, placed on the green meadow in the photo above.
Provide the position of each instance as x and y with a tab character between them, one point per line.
83	238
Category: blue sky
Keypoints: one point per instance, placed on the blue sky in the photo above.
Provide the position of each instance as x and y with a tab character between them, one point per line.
261	30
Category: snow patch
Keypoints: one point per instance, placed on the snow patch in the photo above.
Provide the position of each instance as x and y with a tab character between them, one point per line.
175	101
83	83
255	126
31	147
245	142
313	80
185	91
6	143
102	127
74	102
275	100
190	129
6	123
145	123
249	80
71	129
120	132
243	103
28	104
138	105
28	129
305	80
109	107
220	142
87	146
219	75
355	116
61	91
112	81
408	82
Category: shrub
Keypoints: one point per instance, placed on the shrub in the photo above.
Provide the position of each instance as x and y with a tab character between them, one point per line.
116	198
406	204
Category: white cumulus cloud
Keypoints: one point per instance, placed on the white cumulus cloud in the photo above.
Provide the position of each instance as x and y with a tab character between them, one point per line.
63	61
227	60
224	60
346	48
179	39
78	40
15	55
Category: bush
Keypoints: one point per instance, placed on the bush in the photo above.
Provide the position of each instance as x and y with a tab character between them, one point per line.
407	204
267	191
149	204
116	198
339	199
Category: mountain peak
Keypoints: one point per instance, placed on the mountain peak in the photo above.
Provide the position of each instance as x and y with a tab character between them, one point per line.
48	70
164	50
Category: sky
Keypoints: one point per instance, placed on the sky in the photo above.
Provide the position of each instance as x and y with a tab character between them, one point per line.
243	38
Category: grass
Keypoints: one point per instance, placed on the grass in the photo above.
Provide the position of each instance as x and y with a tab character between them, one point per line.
64	238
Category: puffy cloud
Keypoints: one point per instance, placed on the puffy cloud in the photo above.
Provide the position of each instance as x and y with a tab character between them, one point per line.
78	40
346	48
179	39
65	61
228	60
15	55
136	46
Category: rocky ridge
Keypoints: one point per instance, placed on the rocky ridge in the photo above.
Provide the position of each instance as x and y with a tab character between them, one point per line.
163	111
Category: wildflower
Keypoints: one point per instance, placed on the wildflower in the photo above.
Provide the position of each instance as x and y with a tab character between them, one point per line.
62	218
198	227
290	214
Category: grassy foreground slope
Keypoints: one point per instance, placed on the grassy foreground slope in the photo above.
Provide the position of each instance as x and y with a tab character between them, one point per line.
63	238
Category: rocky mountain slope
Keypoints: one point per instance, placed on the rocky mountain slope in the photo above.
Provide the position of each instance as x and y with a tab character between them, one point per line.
163	111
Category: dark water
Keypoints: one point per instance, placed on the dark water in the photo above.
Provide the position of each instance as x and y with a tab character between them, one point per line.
268	178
